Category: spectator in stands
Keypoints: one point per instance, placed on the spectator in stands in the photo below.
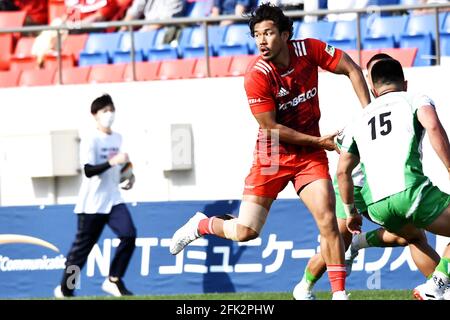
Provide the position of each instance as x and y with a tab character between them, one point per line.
229	7
37	11
428	11
8	5
154	10
89	11
100	203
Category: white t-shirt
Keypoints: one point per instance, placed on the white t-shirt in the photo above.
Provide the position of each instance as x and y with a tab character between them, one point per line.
99	193
388	138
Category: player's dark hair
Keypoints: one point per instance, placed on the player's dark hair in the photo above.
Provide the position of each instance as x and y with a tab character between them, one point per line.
267	11
387	71
101	102
378	56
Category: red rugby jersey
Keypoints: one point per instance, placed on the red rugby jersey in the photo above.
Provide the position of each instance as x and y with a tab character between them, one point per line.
292	92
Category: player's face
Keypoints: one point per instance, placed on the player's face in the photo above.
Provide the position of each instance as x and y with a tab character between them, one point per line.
269	40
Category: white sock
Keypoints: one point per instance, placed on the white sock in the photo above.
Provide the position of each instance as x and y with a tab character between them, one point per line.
359	241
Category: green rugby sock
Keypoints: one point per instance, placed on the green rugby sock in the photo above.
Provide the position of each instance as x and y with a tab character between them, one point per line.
372	239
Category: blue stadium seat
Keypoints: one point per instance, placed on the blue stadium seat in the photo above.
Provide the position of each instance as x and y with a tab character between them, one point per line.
445	36
194	46
199	9
237	38
166	53
424	44
319	30
143	42
99	47
420	32
343	35
89	59
385	32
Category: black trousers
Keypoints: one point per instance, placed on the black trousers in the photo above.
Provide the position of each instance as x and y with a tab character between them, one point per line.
90	227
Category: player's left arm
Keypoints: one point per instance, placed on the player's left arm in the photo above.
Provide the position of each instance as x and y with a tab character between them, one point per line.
429	119
348	67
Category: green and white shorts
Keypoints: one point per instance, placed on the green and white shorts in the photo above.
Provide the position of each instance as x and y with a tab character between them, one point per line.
418	205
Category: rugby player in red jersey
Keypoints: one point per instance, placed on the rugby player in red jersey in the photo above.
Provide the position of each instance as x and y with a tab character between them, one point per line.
282	91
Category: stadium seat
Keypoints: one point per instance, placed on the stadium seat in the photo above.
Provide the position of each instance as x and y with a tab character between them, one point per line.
406	56
218	67
176	69
424	45
145	71
9	78
385	32
420	33
237	39
74	75
143	42
199	9
365	55
194	44
167	53
445	36
23	47
12	19
23	63
239	65
74	44
344	34
51	61
319	30
99	48
6	43
106	73
38	77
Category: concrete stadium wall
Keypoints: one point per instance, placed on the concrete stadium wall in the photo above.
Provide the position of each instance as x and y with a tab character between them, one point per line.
224	133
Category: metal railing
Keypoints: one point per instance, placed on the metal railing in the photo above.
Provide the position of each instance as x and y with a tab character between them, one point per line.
77	26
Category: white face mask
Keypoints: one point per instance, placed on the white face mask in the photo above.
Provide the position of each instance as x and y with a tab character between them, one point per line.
106	119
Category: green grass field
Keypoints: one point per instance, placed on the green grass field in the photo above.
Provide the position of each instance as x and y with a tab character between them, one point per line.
355	295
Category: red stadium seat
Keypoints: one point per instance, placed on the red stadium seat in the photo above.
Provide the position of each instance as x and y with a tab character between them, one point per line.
51	61
39	77
6	45
405	56
12	19
22	58
365	55
23	63
23	47
106	73
78	75
239	64
145	71
74	44
9	78
176	69
218	67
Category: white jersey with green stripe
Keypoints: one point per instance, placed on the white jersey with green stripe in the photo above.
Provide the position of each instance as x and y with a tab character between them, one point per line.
387	136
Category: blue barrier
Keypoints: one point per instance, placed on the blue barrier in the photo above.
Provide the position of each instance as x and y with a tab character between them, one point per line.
272	263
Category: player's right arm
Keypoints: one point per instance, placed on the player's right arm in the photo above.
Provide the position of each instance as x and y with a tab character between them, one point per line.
267	120
429	119
263	107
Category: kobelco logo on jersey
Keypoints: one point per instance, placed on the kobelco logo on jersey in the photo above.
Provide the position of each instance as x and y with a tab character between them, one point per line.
302	97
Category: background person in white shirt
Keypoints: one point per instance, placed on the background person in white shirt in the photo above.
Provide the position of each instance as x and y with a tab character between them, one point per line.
100	203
